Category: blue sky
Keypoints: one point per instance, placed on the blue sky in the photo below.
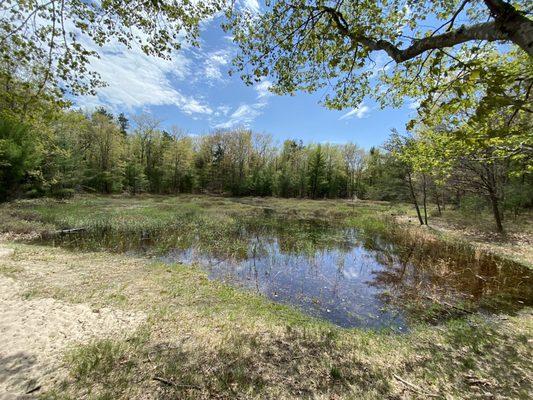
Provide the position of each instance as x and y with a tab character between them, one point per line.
195	93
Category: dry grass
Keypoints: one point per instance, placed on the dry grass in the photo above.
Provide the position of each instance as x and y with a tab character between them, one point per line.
206	340
203	339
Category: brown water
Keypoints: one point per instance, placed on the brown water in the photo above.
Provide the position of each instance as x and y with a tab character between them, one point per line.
357	281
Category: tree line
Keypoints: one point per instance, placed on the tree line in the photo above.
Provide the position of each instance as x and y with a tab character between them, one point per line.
98	153
470	145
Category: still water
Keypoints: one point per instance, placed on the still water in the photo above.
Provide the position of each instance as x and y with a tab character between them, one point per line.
355	281
341	274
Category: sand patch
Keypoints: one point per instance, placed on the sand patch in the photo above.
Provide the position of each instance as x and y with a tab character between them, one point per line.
5	252
35	333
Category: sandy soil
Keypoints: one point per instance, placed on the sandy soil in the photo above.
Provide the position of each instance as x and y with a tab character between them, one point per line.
36	333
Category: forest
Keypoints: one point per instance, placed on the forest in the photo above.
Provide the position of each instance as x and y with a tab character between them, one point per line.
74	152
140	259
470	144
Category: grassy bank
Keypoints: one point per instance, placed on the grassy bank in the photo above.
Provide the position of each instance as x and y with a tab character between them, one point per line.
216	216
204	339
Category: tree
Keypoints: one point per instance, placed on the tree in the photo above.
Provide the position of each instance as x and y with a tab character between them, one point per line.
310	44
17	155
481	131
123	123
179	157
405	149
52	42
354	163
316	171
104	146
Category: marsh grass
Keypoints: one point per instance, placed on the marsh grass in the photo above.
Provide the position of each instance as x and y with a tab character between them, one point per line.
226	228
208	340
204	339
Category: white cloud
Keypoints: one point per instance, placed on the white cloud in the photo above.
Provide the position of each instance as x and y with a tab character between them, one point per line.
222	111
245	113
242	116
262	89
413	104
252	5
214	63
135	80
361	111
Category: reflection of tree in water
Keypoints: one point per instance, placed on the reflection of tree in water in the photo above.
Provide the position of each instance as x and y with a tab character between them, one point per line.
322	266
448	274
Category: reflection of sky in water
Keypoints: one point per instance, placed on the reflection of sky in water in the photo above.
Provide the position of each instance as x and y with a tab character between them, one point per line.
340	274
331	284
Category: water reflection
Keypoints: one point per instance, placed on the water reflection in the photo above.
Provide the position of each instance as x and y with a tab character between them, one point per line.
350	277
354	280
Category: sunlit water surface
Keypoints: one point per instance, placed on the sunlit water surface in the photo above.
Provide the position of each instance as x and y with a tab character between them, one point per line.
336	273
362	283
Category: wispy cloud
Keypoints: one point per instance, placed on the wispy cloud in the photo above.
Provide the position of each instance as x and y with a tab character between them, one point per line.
242	116
413	104
245	114
252	5
135	80
263	89
361	111
215	63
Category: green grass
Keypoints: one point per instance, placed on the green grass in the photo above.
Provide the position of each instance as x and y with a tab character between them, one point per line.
240	346
204	339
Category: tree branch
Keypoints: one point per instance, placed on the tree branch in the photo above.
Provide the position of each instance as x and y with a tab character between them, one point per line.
483	31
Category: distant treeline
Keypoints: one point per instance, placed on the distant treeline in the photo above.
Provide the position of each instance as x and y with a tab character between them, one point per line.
98	153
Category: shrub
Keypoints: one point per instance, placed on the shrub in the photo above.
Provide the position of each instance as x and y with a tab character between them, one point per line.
65	193
472	204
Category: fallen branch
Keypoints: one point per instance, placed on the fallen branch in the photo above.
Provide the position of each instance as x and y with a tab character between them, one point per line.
34	389
72	230
415	388
449	305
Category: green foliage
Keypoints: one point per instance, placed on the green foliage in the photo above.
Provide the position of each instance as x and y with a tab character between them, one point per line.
17	155
472	205
62	194
518	195
56	51
352	49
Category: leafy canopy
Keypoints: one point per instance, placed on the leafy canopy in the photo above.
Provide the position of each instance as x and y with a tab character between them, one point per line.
381	48
49	43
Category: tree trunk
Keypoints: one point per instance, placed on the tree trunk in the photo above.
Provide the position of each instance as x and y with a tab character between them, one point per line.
424	198
413	195
438	204
496	211
513	23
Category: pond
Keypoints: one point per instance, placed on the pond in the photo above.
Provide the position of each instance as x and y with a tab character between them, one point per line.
342	274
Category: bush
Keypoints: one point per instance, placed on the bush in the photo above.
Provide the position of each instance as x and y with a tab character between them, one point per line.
518	197
17	155
63	193
34	193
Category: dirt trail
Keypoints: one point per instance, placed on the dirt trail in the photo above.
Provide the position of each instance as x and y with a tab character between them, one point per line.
35	333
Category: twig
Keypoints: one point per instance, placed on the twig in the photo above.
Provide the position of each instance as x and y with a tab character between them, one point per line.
446	304
415	388
33	390
72	230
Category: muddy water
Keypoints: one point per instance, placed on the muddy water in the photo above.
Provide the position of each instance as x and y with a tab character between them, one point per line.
344	275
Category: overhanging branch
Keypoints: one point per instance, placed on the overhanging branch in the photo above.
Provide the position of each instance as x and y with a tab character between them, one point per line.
487	31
